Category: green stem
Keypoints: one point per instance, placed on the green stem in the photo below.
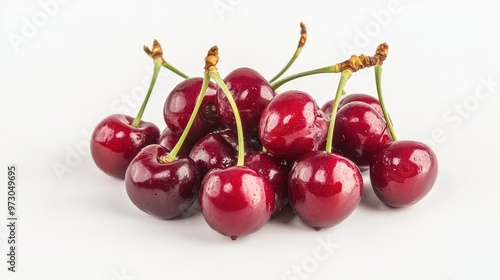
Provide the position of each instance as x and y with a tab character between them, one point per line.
156	71
327	69
175	70
292	60
171	156
239	128
378	81
344	77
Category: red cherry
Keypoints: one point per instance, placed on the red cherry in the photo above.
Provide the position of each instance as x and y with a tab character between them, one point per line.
251	92
275	171
236	201
361	97
180	104
216	150
168	140
360	132
292	125
403	173
118	138
324	188
115	142
163	190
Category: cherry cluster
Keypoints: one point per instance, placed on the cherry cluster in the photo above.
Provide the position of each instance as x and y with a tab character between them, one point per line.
245	151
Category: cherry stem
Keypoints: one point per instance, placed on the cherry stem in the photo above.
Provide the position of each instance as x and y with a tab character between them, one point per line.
323	70
302	41
173	69
353	64
175	150
344	77
378	81
157	53
156	71
239	128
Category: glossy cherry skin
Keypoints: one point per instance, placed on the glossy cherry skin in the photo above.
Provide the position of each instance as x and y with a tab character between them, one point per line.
251	93
292	124
179	106
275	171
324	188
218	149
163	190
360	132
361	97
236	201
403	173
168	140
115	142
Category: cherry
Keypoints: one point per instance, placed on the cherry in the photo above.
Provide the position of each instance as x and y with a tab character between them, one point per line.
292	124
324	188
275	171
361	97
161	184
118	138
360	133
168	140
216	150
251	93
403	172
115	142
235	201
179	106
159	187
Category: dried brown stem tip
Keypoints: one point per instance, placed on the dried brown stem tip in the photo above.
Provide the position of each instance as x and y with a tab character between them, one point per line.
156	53
303	35
356	63
211	59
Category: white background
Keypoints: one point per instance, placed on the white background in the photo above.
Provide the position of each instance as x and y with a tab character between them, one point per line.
66	67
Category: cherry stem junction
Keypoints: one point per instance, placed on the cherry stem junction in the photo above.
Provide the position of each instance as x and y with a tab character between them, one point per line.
156	71
378	81
175	150
344	77
353	64
211	69
157	53
302	42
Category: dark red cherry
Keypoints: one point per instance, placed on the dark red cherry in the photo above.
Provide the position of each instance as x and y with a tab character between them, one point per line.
251	93
115	142
403	173
275	171
361	97
218	149
360	132
163	190
168	140
180	104
236	201
324	188
292	125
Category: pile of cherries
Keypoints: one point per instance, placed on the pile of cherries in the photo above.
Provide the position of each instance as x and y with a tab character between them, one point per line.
245	152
